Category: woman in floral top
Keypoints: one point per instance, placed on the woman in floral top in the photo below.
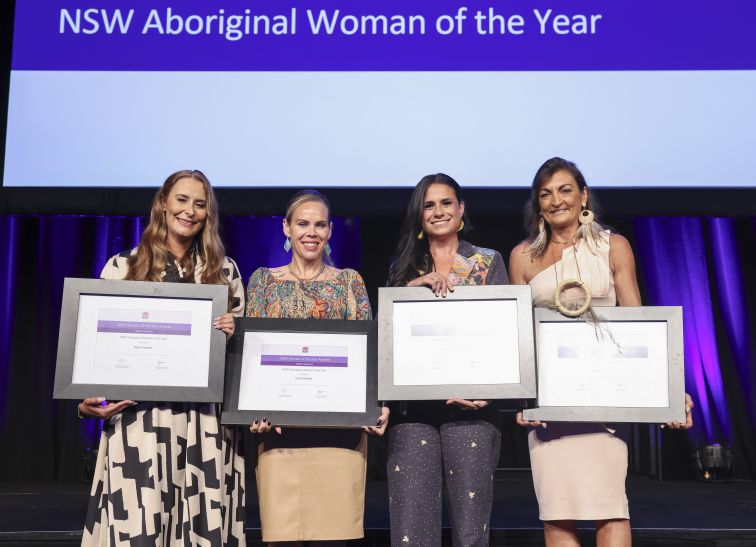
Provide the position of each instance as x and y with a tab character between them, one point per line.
311	482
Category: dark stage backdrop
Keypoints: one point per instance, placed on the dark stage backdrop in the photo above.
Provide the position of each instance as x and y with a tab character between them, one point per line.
705	264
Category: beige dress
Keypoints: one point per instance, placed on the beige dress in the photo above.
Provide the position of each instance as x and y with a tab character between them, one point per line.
579	470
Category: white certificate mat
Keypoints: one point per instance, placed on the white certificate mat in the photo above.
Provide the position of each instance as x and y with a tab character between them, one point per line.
303	372
455	342
620	364
142	341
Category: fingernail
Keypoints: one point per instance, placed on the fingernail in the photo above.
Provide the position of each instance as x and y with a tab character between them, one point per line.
265	419
379	422
256	422
269	423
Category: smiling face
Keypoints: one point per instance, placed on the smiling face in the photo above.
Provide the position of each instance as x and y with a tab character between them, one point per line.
185	209
442	212
309	229
561	200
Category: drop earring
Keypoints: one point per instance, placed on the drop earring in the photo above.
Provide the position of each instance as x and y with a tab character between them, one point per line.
287	245
588	230
539	243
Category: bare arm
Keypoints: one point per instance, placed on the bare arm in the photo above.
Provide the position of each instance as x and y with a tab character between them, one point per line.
518	262
622	264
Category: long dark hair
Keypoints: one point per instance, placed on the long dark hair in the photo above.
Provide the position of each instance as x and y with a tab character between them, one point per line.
533	208
413	254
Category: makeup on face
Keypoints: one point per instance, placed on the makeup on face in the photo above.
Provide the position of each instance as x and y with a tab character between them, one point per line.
561	200
185	209
309	230
442	212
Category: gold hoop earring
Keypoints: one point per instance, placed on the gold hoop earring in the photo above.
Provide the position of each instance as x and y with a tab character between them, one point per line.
461	225
420	235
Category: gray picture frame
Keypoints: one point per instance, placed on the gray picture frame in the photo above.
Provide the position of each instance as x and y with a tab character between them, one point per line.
73	288
233	415
524	389
675	411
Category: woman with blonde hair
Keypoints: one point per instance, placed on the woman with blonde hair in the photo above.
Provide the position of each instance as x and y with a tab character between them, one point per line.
311	482
169	473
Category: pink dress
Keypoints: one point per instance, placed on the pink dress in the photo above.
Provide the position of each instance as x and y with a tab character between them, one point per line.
579	470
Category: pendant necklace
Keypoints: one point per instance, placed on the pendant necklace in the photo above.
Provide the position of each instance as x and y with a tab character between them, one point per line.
299	293
567	283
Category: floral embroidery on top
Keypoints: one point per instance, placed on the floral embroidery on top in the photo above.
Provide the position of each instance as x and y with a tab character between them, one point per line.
477	266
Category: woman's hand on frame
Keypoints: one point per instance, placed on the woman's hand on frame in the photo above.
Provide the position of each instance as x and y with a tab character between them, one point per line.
464	404
525	423
380	425
98	407
225	323
688	416
263	426
437	283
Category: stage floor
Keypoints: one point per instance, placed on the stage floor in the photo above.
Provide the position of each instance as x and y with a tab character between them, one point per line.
663	513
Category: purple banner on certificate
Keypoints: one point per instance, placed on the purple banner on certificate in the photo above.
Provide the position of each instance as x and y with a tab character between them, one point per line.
304	360
143	327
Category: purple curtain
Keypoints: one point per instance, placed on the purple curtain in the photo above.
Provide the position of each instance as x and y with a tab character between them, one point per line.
702	264
675	268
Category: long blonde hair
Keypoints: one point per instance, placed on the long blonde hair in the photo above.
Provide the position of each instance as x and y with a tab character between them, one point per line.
149	261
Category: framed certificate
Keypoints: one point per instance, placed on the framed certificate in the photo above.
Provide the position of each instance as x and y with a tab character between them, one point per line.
626	368
477	343
140	340
302	372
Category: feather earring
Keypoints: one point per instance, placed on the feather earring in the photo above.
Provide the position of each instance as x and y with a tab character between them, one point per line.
539	243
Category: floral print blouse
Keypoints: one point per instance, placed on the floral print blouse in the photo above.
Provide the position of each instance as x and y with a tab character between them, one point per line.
336	294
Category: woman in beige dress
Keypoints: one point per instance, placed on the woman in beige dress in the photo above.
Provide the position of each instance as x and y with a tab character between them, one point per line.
310	482
579	470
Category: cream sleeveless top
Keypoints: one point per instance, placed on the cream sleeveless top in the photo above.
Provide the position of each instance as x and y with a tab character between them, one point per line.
578	262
